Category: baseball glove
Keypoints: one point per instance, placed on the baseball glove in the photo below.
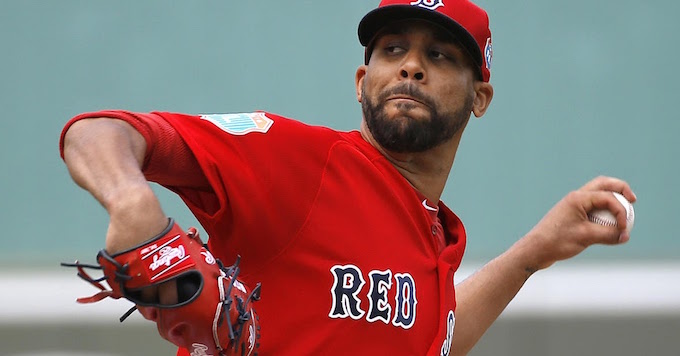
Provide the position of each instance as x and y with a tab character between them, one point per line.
211	313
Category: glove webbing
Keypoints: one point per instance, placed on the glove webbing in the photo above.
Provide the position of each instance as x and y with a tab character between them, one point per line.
222	311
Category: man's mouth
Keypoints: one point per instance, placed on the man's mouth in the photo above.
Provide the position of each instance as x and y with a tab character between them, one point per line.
403	97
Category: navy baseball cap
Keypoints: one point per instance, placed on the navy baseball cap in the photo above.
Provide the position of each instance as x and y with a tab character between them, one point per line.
467	22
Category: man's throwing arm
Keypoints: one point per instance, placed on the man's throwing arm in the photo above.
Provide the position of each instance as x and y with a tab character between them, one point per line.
563	233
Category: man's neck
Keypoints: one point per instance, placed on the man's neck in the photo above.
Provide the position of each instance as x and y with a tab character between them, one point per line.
426	171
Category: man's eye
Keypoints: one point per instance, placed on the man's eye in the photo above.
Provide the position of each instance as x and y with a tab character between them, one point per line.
393	49
438	55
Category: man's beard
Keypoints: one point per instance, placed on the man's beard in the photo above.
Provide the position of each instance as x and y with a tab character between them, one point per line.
403	134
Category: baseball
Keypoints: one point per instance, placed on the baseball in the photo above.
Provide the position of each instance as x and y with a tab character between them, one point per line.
606	218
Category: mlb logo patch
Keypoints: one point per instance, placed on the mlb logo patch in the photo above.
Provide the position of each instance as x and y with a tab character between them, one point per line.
240	124
488	53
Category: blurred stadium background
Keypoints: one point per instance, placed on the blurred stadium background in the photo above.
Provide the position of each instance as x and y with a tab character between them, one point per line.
582	88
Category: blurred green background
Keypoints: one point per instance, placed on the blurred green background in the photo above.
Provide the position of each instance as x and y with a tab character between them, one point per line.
582	88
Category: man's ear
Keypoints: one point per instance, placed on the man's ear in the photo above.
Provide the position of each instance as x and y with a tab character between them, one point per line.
359	81
483	96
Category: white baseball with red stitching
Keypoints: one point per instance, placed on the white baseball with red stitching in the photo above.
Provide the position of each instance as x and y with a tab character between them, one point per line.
606	218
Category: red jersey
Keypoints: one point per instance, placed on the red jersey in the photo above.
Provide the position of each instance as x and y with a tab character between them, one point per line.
347	251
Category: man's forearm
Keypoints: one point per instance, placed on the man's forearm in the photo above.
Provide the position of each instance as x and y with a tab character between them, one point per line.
104	156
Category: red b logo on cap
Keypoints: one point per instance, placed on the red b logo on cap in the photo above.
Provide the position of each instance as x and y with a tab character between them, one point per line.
428	4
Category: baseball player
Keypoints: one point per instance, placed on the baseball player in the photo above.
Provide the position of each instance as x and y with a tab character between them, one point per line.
344	231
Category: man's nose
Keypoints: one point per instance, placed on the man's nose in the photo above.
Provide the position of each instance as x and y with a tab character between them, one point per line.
412	68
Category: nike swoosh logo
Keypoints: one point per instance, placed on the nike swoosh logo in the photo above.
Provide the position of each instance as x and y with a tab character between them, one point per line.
427	206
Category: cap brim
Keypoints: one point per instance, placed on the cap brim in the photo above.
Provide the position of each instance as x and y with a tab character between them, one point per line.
375	20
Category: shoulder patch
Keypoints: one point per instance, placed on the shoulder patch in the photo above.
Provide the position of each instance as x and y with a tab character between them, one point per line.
240	124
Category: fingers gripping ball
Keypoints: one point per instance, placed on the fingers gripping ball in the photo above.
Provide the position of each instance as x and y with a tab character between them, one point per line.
196	302
606	218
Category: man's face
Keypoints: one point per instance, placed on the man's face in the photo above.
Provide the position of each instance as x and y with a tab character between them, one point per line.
418	89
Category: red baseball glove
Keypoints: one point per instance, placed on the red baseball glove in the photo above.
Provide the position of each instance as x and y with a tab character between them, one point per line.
211	313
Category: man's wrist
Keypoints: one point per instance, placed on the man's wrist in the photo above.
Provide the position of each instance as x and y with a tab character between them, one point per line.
528	255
